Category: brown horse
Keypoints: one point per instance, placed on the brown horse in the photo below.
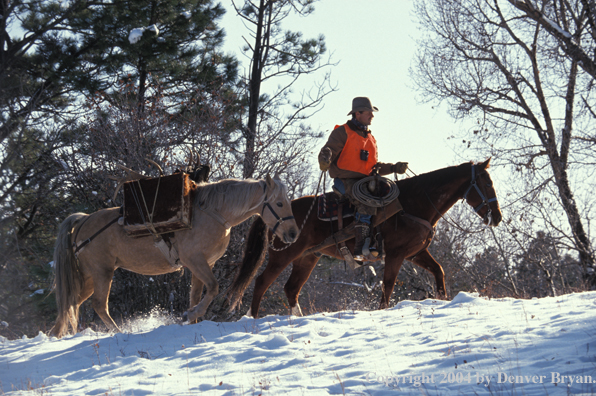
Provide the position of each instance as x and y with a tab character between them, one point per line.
407	234
216	207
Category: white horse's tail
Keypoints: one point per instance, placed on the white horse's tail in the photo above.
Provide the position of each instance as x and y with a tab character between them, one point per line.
68	280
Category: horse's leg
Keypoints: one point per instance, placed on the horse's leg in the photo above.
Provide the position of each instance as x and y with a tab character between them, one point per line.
393	264
301	270
85	293
196	291
426	261
102	282
59	327
274	268
201	269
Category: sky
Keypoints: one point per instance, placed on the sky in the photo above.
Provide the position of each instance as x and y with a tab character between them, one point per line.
374	42
467	346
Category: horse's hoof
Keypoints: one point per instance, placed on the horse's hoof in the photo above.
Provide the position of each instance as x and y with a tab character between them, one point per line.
185	317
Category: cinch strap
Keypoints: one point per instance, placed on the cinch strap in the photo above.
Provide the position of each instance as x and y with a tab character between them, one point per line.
86	242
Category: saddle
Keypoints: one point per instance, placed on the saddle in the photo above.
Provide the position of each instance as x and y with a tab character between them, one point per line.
333	207
330	205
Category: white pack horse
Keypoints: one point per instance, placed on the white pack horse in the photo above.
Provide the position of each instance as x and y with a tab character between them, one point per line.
216	208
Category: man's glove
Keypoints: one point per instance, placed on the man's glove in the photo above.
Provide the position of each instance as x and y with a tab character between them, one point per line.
399	167
325	159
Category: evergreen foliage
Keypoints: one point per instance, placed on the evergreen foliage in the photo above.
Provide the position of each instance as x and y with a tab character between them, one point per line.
69	73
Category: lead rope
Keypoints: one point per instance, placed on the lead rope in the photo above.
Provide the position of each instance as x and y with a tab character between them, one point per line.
322	177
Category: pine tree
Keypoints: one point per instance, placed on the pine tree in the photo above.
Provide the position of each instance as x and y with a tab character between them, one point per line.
56	56
273	126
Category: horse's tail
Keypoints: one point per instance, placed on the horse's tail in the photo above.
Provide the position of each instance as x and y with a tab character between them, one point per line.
68	280
254	255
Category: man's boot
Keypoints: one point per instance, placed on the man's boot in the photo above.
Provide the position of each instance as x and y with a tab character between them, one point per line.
361	234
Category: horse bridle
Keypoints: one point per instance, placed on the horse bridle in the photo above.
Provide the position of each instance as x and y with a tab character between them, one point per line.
485	201
322	177
266	204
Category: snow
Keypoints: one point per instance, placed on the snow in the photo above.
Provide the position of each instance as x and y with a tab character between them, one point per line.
154	29
38	291
470	345
64	165
135	35
557	28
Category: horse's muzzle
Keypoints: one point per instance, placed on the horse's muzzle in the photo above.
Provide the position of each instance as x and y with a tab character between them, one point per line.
492	219
291	235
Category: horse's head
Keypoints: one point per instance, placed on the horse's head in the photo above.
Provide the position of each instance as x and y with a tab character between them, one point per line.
200	173
277	210
482	196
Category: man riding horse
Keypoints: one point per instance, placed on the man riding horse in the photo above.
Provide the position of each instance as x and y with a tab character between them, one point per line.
351	154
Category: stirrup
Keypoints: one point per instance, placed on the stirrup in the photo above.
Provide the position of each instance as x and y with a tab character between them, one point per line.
348	258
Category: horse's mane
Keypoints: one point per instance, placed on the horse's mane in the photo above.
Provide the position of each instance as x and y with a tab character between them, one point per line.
232	195
435	179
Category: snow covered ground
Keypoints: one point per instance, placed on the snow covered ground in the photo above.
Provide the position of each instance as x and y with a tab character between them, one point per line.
466	346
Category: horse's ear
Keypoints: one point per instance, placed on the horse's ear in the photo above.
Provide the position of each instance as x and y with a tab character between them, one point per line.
276	176
270	182
486	164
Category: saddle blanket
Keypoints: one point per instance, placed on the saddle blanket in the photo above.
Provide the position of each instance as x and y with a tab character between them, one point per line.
328	207
166	202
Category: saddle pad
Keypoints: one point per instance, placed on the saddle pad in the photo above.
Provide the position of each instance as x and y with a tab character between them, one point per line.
168	198
328	207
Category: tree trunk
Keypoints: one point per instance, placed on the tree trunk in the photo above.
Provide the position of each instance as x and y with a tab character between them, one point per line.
142	87
559	167
254	92
582	242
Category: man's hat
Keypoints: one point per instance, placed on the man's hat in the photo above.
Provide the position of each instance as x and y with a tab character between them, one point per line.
362	104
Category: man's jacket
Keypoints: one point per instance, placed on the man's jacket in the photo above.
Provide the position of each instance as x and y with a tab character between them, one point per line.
346	143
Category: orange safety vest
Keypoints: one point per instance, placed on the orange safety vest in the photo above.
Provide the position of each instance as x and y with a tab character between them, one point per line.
349	158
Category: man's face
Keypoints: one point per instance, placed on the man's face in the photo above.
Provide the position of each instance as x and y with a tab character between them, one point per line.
364	117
